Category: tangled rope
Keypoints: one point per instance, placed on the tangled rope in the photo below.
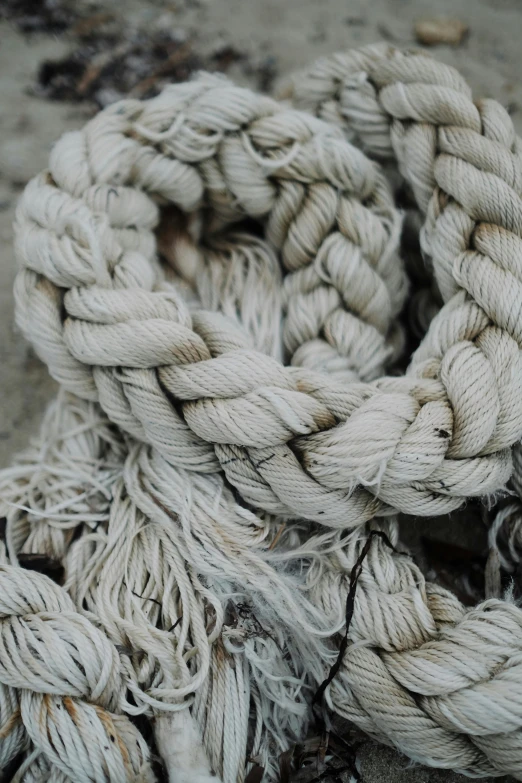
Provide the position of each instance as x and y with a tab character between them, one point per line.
212	478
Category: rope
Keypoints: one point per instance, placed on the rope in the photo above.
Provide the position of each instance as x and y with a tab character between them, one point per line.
69	706
118	331
217	603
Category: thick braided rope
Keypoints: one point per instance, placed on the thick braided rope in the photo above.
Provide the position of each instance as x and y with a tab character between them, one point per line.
462	159
290	443
70	683
151	397
452	762
421	673
315	210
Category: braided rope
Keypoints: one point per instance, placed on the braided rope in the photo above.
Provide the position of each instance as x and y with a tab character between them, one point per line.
13	738
71	696
122	324
324	439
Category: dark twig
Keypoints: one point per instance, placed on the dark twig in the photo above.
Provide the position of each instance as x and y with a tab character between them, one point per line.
144	598
349	609
348	757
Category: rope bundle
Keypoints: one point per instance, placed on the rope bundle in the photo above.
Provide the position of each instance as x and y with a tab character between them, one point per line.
225	442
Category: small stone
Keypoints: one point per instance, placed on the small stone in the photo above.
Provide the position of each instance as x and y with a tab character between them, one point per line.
432	32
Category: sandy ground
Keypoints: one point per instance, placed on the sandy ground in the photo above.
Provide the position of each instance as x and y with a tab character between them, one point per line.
290	31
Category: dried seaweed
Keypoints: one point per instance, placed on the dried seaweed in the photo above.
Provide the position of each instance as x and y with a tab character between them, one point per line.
42	16
110	59
106	69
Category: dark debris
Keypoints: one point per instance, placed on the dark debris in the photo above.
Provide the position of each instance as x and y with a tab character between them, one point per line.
43	564
326	757
109	59
456	568
39	16
105	69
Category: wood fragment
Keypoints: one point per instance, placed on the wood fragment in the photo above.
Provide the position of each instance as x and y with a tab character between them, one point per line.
433	32
178	57
255	775
97	65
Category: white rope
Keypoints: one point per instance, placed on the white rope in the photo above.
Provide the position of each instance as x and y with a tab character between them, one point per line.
211	606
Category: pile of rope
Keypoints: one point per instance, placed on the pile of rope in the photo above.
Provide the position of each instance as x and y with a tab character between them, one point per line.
214	279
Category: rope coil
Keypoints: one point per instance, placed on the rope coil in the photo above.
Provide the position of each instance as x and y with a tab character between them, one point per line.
244	452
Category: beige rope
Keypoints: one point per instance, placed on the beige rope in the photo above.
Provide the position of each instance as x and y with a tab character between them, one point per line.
122	332
411	689
13	738
68	700
325	439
